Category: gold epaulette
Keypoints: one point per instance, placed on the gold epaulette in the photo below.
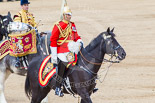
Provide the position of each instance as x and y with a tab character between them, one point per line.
57	22
19	14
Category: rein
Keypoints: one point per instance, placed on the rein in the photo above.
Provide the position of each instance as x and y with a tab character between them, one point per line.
88	60
23	67
105	60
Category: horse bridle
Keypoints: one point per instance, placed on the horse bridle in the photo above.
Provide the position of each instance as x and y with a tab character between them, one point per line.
4	26
105	60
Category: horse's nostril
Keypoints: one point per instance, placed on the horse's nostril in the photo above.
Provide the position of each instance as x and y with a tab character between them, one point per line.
123	54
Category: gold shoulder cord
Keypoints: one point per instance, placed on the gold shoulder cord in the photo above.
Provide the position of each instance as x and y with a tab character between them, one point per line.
64	33
23	17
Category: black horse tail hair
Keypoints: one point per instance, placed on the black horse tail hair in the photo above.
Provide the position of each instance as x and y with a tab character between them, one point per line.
28	90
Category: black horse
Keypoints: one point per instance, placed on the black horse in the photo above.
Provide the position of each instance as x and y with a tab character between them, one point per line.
82	76
4	21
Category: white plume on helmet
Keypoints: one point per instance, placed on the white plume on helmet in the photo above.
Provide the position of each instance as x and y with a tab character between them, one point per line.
65	9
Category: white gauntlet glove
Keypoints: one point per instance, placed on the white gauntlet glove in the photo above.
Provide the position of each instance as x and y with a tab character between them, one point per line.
75	46
54	55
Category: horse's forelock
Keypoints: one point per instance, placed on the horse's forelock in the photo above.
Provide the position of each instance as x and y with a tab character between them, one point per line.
9	18
109	33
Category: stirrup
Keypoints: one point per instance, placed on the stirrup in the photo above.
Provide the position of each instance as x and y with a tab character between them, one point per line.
59	92
95	90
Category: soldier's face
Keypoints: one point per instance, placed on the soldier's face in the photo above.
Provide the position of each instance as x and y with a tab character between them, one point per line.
25	7
68	17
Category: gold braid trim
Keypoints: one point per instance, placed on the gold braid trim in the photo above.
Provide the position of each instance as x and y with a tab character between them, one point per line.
23	16
64	33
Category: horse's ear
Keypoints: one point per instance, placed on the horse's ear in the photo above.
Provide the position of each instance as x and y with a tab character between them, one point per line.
9	14
112	30
108	30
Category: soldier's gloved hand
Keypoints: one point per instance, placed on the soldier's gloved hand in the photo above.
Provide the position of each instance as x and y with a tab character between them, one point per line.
81	45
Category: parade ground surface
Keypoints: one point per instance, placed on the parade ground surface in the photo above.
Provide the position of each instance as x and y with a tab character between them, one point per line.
132	80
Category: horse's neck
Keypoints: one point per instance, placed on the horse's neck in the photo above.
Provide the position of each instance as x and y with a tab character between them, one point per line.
41	47
96	53
94	56
95	48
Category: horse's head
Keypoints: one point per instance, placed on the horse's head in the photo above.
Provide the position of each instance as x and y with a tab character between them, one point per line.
9	62
112	46
4	21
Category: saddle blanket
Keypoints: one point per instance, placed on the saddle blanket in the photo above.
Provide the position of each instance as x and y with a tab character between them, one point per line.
46	71
23	44
4	48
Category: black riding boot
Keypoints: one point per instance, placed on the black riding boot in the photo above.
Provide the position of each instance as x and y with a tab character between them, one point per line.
17	64
61	70
58	90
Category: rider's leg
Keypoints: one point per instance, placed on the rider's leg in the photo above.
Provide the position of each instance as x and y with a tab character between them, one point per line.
61	71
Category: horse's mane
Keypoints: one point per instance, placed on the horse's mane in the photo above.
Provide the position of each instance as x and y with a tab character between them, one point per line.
94	42
97	40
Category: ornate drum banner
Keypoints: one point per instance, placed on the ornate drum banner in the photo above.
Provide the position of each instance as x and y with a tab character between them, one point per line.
4	48
23	44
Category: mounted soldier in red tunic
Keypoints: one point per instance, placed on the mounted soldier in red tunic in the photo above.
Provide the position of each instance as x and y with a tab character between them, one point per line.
65	45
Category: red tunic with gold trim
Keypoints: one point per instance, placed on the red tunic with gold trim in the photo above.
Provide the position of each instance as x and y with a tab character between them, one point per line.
63	32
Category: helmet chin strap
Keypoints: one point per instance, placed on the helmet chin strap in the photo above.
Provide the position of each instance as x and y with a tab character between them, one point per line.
65	17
